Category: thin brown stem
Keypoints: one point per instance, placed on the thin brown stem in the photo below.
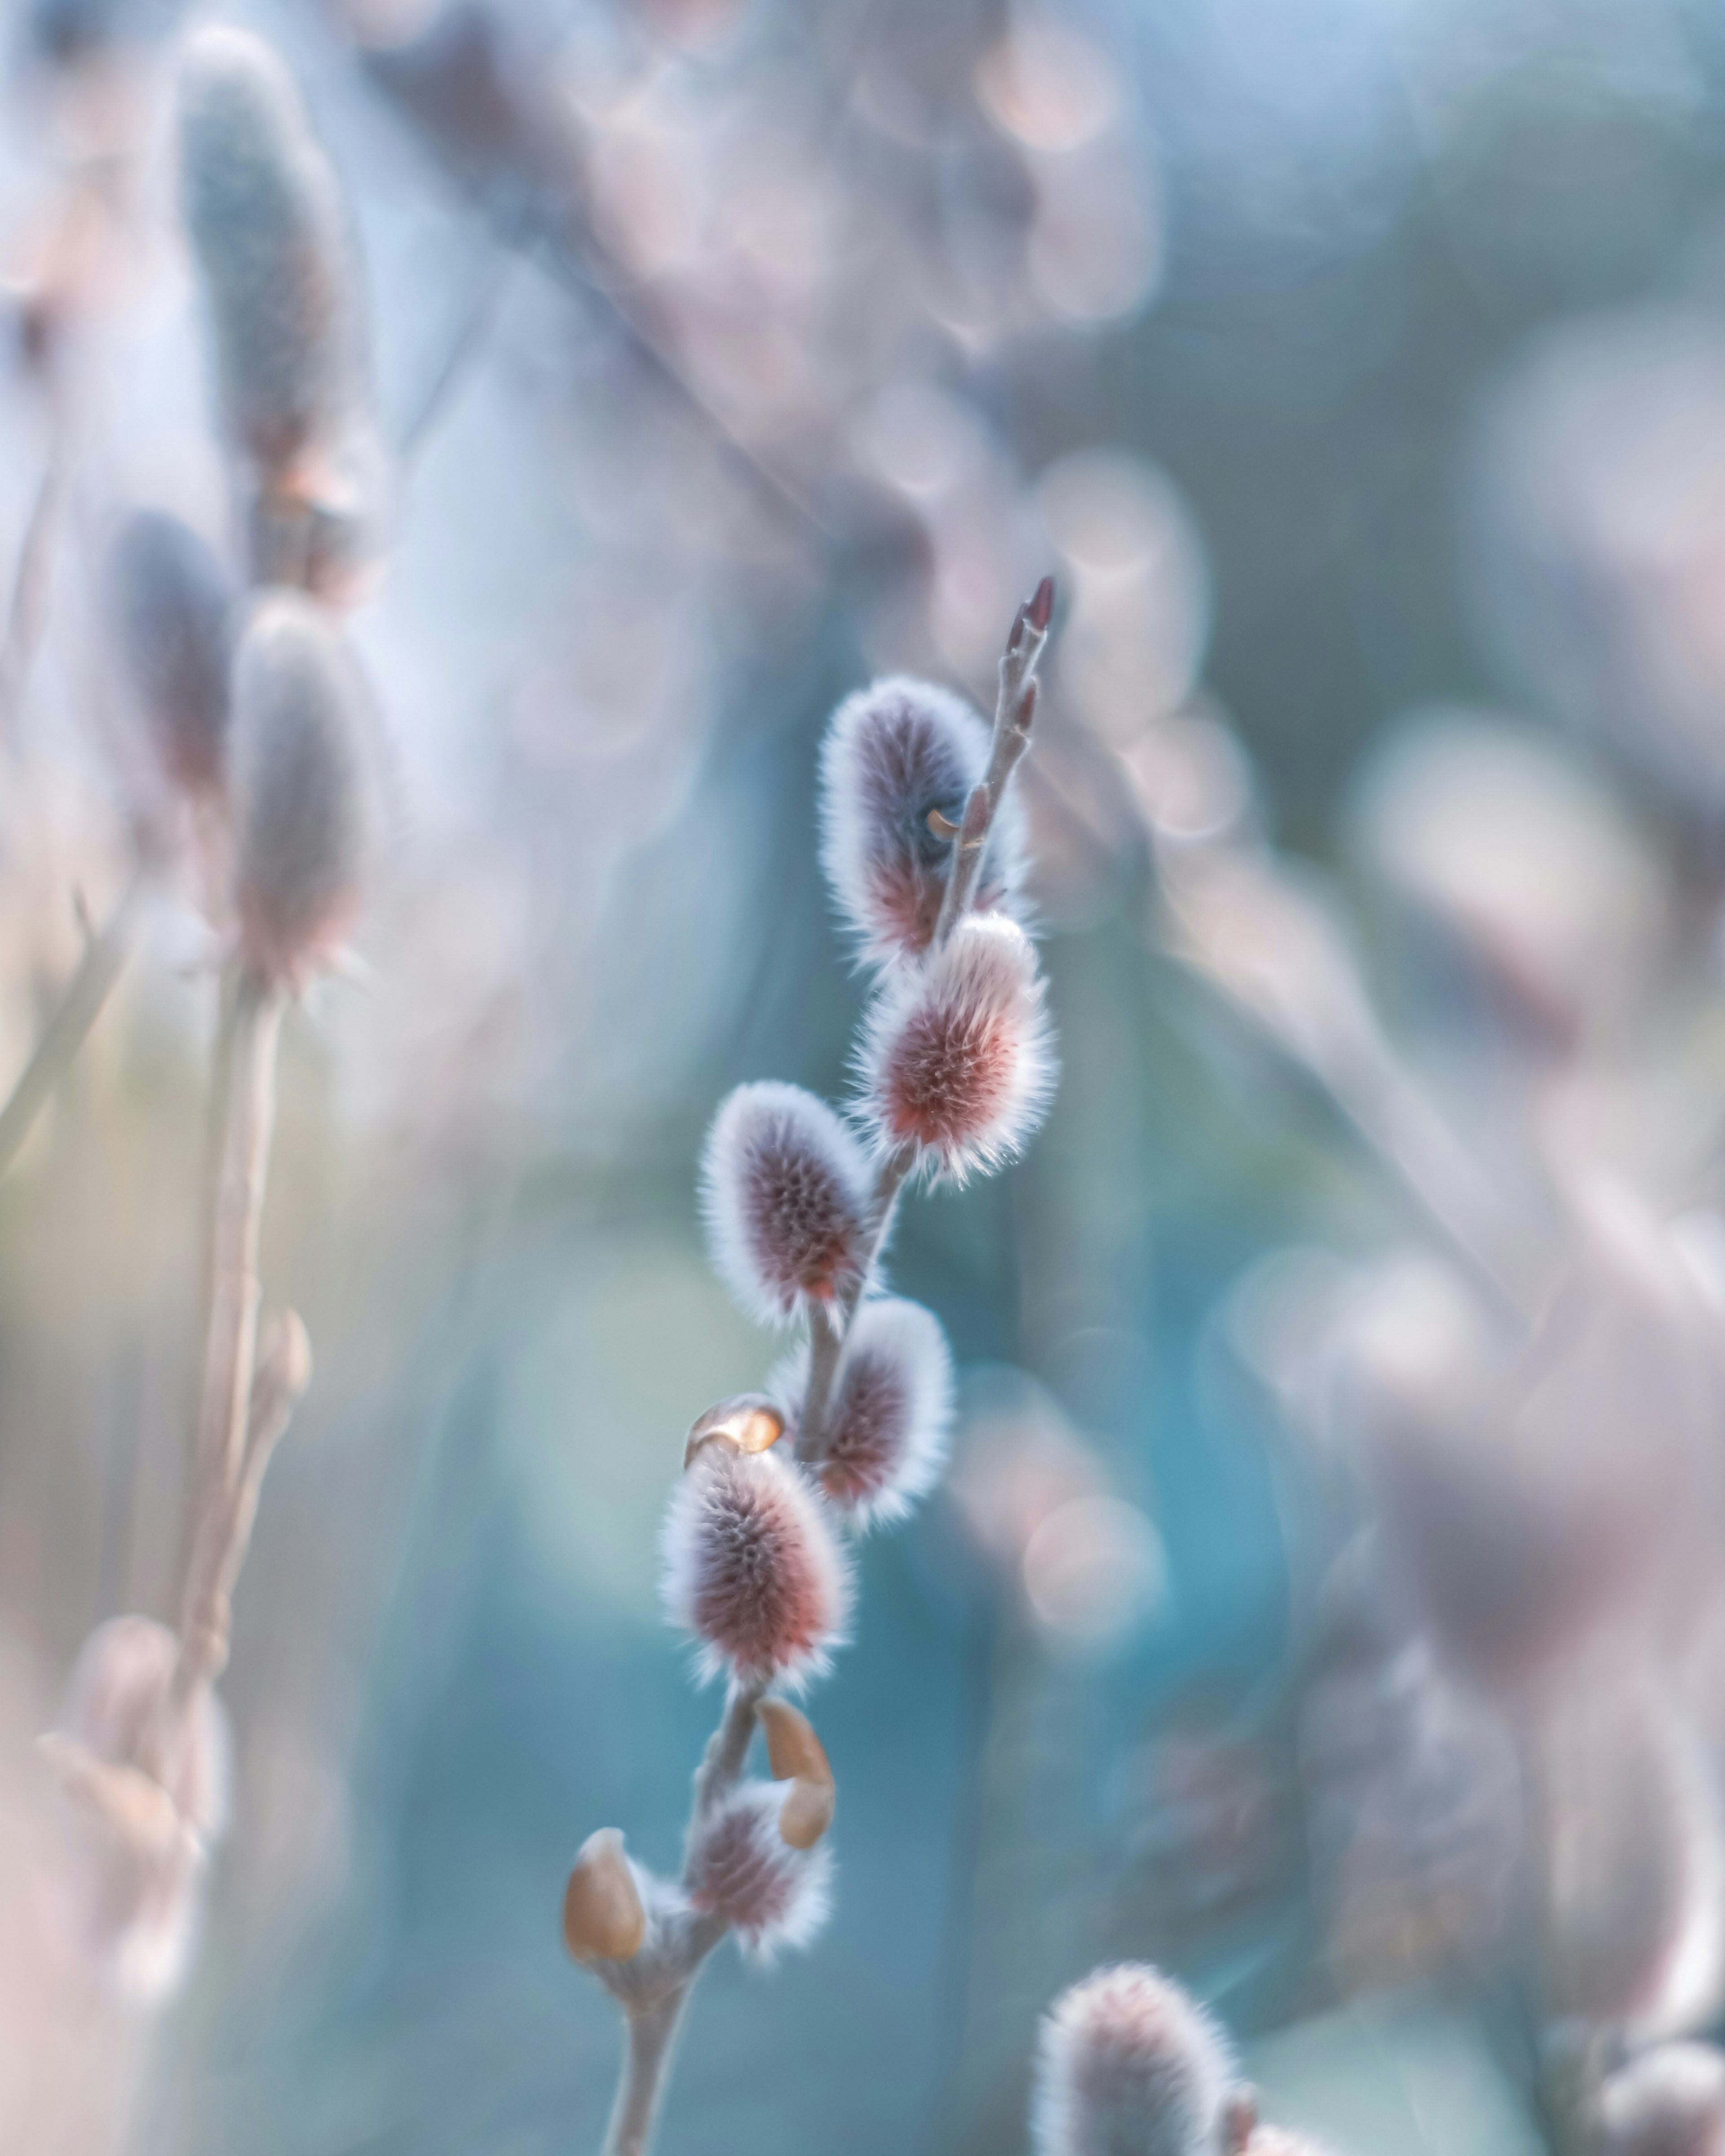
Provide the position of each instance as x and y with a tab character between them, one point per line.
224	1531
831	1324
27	615
236	1221
1014	709
80	1005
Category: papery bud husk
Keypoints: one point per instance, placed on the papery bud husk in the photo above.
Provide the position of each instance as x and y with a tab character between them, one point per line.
898	765
753	1569
796	1755
303	784
1127	2061
604	1914
958	1054
785	1193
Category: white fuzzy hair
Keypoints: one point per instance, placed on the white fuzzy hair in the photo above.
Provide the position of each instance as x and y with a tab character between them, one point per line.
804	1875
749	1119
985	973
1129	2065
893	751
712	1540
886	1330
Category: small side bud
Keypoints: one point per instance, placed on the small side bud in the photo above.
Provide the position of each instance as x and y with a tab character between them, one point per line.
772	1893
300	787
957	1059
267	225
1127	2061
147	1840
784	1189
170	603
749	1423
900	760
753	1569
131	1804
887	1426
604	1917
796	1755
1670	2101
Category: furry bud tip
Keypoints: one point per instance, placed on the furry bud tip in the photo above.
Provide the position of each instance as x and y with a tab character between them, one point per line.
796	1755
1277	2141
1127	2061
604	1917
900	760
299	763
784	1188
887	1425
773	1894
957	1058
171	604
266	223
1670	2101
753	1569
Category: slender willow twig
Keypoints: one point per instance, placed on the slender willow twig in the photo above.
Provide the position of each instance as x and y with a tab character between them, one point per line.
80	1005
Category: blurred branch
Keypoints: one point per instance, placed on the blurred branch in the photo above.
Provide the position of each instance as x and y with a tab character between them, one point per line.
103	961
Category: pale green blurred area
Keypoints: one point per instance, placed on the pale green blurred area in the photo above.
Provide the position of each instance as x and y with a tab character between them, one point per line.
1209	330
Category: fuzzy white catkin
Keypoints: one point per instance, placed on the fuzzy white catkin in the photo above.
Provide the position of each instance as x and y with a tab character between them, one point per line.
1669	2102
1127	2064
266	222
887	1426
170	603
784	1186
300	760
138	1909
753	1569
773	1897
894	752
958	1053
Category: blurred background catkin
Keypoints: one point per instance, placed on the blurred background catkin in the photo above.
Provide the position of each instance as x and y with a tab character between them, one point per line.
1360	372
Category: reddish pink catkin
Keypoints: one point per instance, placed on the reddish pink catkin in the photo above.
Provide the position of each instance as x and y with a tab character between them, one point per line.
784	1187
957	1058
742	1868
1127	2061
752	1568
900	760
887	1425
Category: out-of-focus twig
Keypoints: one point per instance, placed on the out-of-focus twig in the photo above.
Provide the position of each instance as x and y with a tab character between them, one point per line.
80	1004
32	579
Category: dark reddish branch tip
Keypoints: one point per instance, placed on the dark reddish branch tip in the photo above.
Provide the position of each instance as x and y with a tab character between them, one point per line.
1036	613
